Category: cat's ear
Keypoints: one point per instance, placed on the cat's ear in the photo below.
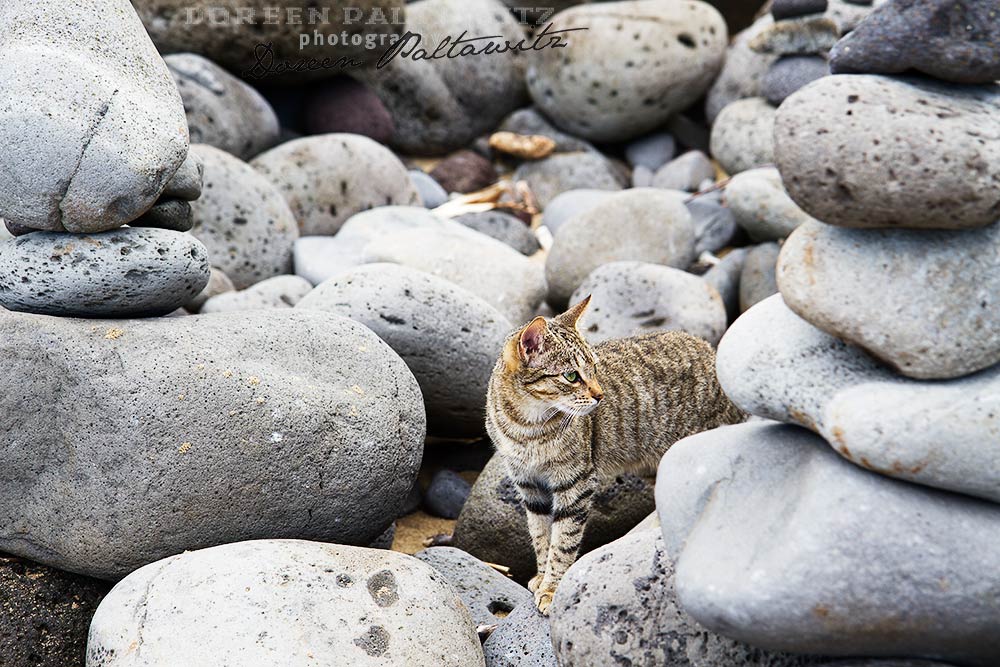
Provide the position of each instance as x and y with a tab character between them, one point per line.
573	315
530	342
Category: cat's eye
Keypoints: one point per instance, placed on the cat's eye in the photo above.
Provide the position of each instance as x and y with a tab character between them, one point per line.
571	376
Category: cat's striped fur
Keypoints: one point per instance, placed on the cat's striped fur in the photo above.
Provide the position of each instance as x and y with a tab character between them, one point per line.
560	447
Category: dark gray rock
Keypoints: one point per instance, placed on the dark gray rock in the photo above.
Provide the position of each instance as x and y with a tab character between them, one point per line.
446	494
954	40
344	105
503	227
791	73
233	427
523	639
124	272
789	9
173	210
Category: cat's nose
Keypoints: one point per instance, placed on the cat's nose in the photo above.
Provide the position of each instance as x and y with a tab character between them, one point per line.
595	390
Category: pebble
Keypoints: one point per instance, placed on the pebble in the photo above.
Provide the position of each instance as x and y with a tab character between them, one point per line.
492	526
790	74
287	603
743	135
869	415
686	172
218	411
743	73
218	283
346	106
789	9
757	280
841	563
329	177
644	225
651	151
173	209
222	111
464	172
488	595
715	225
242	219
725	278
562	172
797	37
449	337
949	40
126	272
642	178
637	63
761	206
503	227
92	128
635	298
922	158
277	292
570	204
429	191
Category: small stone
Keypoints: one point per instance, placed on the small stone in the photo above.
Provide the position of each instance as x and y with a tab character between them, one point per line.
715	225
791	73
743	72
797	37
344	105
685	172
789	9
642	177
562	172
173	210
503	227
277	292
218	283
652	151
429	191
743	135
725	278
446	494
757	280
761	206
571	203
464	172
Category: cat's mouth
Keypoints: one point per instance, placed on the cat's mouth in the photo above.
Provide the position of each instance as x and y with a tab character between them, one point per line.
579	410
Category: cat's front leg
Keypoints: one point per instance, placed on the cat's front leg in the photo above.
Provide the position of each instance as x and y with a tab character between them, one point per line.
538	507
571	509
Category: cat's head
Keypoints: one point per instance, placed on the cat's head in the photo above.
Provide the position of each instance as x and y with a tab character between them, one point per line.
552	367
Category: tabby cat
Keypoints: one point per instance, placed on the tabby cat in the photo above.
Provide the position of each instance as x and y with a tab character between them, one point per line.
560	447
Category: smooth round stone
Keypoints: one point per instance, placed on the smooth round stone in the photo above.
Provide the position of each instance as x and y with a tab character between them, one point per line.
635	298
429	191
448	337
464	171
571	203
652	151
446	494
743	135
897	152
92	127
933	315
637	63
125	272
218	283
248	418
642	178
561	172
949	40
344	105
845	535
797	37
222	111
643	225
242	219
761	206
503	227
715	225
277	292
328	178
287	603
743	72
757	280
173	209
686	172
789	9
725	278
790	74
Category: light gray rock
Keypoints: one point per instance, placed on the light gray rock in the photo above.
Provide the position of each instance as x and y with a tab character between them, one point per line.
934	433
222	111
898	152
287	603
242	219
429	191
562	172
761	206
92	127
503	227
637	62
934	314
218	283
743	135
119	273
488	595
571	203
634	298
803	36
642	178
743	73
725	278
715	225
651	151
779	543
443	104
643	225
277	292
757	280
523	639
618	605
449	337
685	172
210	428
327	178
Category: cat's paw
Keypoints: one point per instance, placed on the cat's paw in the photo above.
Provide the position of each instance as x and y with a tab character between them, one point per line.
535	582
543	598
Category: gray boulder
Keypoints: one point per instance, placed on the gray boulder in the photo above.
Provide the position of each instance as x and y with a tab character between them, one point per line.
127	272
277	292
604	87
449	337
92	127
643	225
286	603
898	152
635	298
761	206
242	219
523	639
757	280
327	178
779	543
222	111
561	172
743	135
232	427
